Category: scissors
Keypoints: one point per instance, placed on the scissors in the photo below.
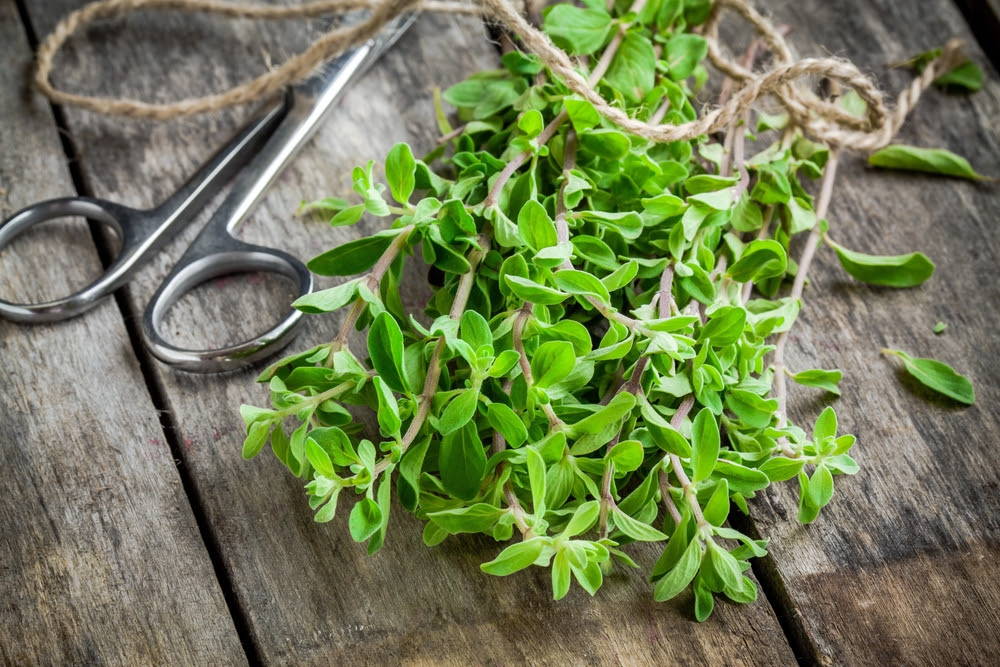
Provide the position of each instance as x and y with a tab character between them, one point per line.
259	152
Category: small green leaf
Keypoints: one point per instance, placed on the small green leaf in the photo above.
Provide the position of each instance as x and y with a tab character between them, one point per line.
319	459
929	160
552	362
579	31
528	290
328	300
626	455
388	408
535	225
459	411
400	171
705	443
683	53
365	519
820	378
256	437
352	257
939	376
581	282
462	461
507	423
516	557
637	530
385	347
583	518
907	270
681	575
761	259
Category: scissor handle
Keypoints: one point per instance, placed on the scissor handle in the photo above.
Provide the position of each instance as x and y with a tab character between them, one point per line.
131	226
216	253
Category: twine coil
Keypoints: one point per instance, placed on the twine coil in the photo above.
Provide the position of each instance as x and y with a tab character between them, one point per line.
818	118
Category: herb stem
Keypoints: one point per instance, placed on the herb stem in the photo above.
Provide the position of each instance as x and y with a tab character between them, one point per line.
805	261
434	365
374	278
518	337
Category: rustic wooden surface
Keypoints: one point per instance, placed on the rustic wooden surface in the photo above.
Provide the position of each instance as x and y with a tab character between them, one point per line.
897	570
902	566
100	557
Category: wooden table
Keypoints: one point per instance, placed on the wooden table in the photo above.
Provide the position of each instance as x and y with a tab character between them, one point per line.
131	532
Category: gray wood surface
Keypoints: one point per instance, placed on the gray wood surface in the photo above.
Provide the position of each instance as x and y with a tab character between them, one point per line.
902	566
100	557
310	594
896	571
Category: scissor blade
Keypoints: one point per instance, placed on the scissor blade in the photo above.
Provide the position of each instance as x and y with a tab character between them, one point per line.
310	102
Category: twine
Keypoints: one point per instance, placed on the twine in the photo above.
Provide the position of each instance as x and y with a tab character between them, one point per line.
818	118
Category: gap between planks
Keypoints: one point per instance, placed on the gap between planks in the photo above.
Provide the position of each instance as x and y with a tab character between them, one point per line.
130	319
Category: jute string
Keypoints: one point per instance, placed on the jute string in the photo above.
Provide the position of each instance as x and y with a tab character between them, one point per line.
820	119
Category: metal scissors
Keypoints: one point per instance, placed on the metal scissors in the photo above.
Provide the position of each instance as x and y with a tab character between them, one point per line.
259	152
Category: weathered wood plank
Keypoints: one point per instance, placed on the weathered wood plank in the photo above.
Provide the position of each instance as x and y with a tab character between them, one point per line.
100	557
310	594
900	569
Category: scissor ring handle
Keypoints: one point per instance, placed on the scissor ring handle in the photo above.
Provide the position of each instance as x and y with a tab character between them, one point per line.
193	270
120	218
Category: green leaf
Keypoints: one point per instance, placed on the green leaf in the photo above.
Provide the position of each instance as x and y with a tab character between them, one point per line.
681	575
385	347
754	411
459	411
780	468
536	480
552	362
583	518
475	330
726	567
582	113
328	300
579	31
560	574
633	69
626	455
516	557
637	530
607	143
907	270
410	467
684	52
365	519
462	461
352	257
528	290
664	205
705	443
716	510
501	418
618	407
581	282
348	216
319	459
388	408
820	378
929	160
826	424
478	518
400	172
725	326
938	376
255	439
762	258
535	225
968	75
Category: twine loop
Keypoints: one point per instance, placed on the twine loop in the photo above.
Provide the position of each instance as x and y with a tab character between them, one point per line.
818	118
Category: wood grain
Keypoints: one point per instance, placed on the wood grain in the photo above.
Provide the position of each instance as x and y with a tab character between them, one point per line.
101	561
310	594
902	567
